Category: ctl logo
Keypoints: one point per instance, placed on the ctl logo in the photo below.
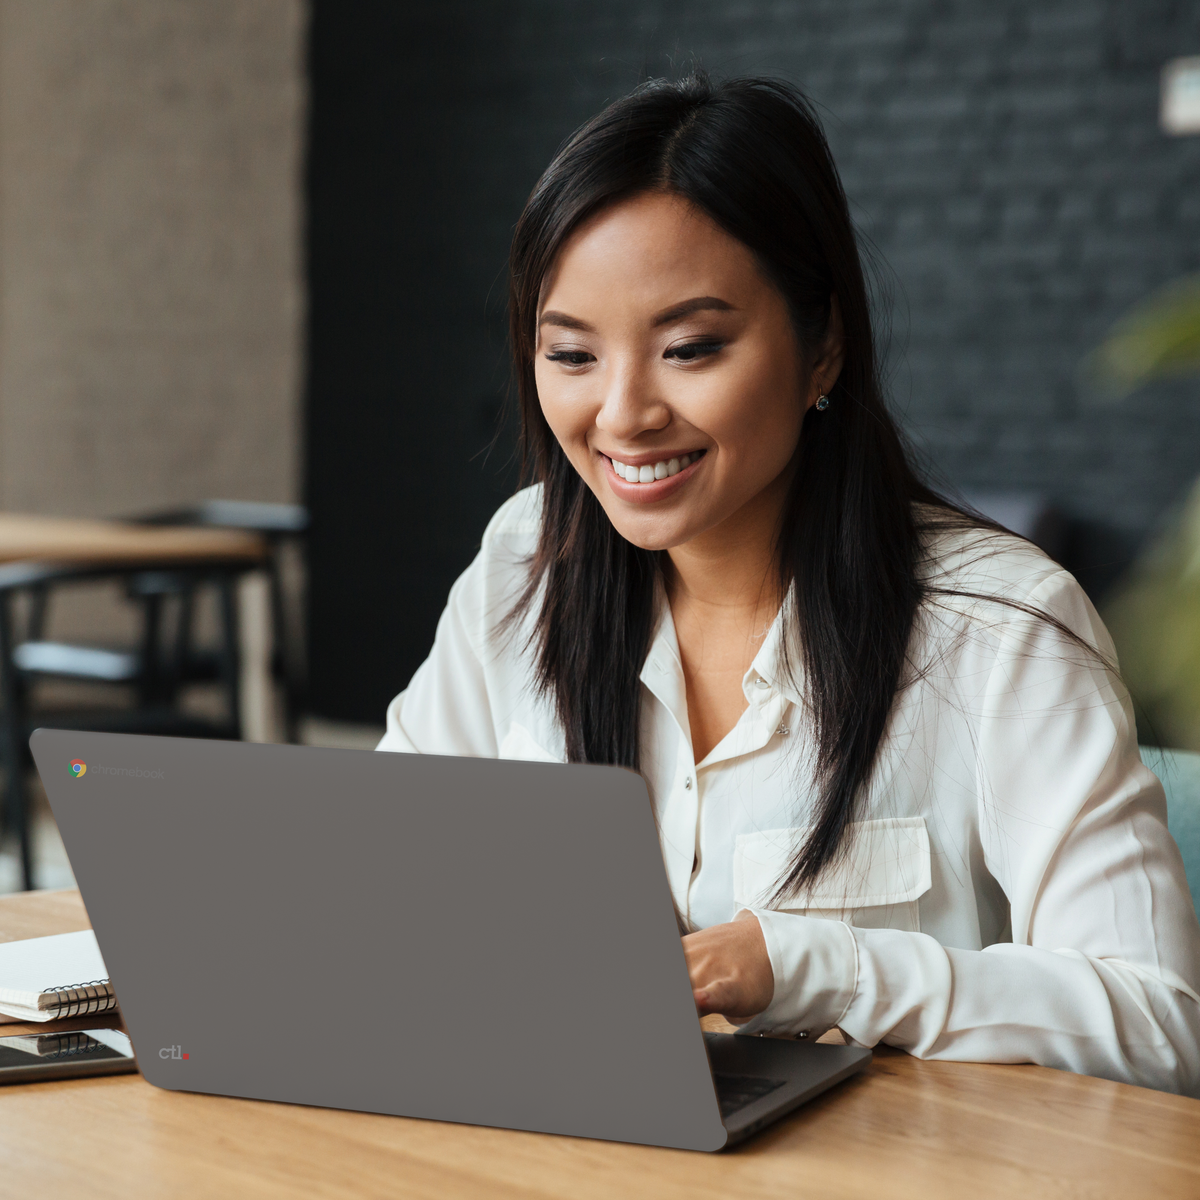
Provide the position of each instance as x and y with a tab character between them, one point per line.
171	1052
78	768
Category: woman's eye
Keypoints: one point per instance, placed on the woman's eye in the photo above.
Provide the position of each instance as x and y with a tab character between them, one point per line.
573	358
691	351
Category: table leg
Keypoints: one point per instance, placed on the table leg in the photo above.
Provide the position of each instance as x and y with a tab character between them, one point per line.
12	749
260	716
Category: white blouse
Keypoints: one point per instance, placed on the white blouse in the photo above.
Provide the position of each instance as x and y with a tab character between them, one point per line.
1011	892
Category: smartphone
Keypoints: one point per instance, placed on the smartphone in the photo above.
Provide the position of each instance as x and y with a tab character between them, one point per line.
35	1056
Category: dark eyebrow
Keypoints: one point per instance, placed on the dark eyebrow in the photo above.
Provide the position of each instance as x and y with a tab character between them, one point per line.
560	318
687	307
675	313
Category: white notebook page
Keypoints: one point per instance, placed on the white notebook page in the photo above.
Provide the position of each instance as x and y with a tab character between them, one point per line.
36	965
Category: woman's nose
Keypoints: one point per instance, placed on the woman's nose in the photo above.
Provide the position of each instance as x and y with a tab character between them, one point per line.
631	405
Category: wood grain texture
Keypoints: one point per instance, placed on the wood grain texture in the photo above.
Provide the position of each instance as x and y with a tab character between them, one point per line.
904	1128
78	541
40	914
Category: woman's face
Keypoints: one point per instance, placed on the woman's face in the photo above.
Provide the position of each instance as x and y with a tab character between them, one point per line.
668	370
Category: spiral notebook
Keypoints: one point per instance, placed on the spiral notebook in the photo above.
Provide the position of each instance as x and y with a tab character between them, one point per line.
48	977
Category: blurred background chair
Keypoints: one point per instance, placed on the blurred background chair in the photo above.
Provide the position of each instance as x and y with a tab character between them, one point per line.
1179	771
158	669
282	528
161	571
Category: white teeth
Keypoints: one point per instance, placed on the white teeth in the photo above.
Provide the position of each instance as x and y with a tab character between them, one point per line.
659	470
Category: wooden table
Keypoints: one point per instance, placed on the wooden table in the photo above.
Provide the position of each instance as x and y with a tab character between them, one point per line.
903	1128
82	542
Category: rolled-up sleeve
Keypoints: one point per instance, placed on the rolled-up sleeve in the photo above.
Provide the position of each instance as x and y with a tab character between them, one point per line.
1102	972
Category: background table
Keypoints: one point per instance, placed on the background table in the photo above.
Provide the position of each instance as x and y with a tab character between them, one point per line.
81	541
96	544
903	1128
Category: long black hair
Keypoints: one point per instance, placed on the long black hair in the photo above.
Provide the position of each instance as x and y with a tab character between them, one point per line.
751	155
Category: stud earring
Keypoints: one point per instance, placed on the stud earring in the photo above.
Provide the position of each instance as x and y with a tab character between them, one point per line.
822	403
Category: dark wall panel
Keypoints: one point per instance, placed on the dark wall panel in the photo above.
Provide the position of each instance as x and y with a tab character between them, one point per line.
1005	160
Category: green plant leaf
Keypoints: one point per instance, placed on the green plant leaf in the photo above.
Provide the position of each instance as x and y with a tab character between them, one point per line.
1158	338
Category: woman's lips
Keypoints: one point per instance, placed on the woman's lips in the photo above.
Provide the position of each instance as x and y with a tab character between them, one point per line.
659	489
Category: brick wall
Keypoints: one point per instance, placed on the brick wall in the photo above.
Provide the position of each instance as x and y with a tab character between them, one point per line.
151	295
1004	160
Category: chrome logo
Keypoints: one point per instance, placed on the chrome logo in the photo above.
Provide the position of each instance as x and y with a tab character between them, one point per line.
78	768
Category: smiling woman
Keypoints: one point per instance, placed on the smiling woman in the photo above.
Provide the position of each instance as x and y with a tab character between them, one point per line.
683	418
628	374
893	767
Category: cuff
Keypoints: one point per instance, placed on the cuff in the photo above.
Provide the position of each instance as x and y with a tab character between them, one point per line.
815	963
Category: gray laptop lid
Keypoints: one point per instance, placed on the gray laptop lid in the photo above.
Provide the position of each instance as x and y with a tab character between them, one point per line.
460	939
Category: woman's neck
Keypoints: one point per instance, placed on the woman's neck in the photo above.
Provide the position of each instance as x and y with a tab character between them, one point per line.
732	568
724	592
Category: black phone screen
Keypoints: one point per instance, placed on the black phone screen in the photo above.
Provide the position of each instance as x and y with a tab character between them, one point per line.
33	1056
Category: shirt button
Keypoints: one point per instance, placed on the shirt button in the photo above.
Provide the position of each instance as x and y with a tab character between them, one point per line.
687	783
802	1035
761	683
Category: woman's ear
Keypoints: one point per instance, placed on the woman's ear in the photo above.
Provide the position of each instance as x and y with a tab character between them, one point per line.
828	364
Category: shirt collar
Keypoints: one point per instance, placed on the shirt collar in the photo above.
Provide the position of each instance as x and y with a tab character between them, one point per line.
770	685
662	672
782	674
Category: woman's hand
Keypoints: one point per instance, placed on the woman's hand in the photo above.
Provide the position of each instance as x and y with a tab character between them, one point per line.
730	968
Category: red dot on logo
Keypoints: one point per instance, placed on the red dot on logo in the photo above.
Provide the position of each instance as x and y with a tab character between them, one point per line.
185	1056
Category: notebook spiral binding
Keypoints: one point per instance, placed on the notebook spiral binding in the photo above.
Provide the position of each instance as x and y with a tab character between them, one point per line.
80	999
67	1045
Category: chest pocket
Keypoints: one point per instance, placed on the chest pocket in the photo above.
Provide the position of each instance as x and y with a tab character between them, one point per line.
875	885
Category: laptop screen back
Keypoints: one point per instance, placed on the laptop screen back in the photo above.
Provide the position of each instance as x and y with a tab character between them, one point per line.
467	940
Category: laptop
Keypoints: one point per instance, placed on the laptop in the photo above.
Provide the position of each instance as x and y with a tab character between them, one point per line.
457	939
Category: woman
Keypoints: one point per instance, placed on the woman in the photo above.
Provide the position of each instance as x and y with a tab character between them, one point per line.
895	774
